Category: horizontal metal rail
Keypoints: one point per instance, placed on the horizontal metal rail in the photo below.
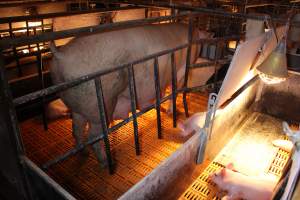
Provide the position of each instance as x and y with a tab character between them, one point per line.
45	37
210	63
4	20
63	86
120	124
205	10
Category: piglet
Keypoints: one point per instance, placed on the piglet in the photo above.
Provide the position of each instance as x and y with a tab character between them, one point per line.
239	186
193	123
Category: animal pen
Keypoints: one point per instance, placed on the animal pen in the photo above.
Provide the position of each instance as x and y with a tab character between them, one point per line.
38	183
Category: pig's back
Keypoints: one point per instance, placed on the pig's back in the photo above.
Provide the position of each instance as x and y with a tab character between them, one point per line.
106	50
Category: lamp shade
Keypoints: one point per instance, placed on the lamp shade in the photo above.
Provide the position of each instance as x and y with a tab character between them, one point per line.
275	65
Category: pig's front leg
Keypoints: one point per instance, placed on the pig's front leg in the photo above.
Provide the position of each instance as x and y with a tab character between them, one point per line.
98	147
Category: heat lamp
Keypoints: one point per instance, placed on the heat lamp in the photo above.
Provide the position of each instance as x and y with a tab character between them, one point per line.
273	69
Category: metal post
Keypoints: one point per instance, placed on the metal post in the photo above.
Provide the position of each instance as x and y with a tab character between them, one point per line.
146	13
43	30
174	89
42	85
101	108
188	61
217	53
27	28
13	129
132	90
11	34
157	92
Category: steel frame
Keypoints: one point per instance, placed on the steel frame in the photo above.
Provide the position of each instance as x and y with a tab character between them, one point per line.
8	43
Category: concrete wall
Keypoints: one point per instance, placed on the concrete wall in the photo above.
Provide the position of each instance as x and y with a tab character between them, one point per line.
281	100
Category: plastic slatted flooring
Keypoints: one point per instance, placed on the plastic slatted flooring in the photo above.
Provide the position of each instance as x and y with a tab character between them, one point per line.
203	189
81	174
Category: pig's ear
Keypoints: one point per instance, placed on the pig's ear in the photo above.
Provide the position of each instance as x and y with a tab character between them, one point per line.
223	172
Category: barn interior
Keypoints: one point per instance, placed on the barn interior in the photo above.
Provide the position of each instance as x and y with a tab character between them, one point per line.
153	153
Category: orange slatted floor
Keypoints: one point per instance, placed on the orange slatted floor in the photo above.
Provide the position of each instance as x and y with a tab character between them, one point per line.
81	174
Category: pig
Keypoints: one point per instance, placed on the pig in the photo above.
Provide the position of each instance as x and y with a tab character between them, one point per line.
193	123
239	186
102	51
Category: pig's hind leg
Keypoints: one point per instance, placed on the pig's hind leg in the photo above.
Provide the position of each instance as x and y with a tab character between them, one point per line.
98	147
78	126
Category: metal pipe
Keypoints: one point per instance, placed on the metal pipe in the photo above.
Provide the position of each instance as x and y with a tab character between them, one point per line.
174	89
11	34
132	90
4	20
56	187
101	107
208	64
14	131
157	93
202	10
120	124
187	66
8	43
42	85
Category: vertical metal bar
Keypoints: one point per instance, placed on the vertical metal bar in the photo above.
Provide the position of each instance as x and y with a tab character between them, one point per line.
188	62
174	89
14	131
11	34
37	44
132	90
43	30
146	13
101	108
157	92
27	28
217	53
42	86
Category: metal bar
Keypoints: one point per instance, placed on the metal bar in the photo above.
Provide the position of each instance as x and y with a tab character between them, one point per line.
202	10
60	14
132	90
216	67
43	30
14	130
174	89
56	187
20	73
157	93
22	28
27	32
187	66
42	82
101	107
8	43
208	64
120	124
